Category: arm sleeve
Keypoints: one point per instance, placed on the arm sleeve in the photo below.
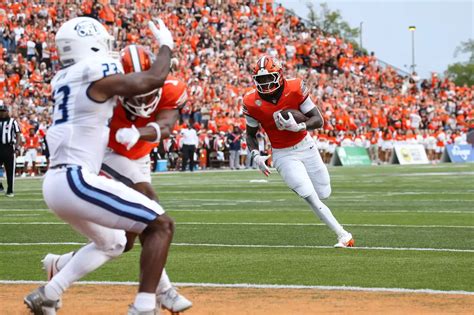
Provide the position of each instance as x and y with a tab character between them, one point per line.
307	105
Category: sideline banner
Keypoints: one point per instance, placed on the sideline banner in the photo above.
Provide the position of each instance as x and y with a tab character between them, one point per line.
406	154
349	156
463	153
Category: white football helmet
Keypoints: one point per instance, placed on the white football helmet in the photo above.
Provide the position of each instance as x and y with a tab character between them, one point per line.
81	38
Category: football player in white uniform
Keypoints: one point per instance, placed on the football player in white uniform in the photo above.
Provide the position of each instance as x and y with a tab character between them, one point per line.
129	162
102	209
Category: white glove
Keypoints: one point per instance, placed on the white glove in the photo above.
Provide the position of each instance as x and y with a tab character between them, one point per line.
127	136
290	123
277	120
162	34
260	162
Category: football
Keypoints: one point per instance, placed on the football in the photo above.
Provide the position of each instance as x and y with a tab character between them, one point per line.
297	115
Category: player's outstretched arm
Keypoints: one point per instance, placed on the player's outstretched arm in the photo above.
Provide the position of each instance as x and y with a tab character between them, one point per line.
137	83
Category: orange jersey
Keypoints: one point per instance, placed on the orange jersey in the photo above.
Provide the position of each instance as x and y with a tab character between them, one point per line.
293	95
173	97
31	142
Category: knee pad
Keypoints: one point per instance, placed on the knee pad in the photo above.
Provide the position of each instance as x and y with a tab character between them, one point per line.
324	191
114	244
303	189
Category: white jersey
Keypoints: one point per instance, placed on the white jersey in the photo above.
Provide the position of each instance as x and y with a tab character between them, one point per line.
80	132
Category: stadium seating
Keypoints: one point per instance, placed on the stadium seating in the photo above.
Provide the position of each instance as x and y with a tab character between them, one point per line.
363	101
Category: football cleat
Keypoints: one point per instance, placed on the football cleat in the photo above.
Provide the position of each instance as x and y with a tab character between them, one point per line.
172	301
50	265
38	304
345	241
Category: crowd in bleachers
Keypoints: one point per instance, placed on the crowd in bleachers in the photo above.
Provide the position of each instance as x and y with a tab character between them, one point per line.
364	103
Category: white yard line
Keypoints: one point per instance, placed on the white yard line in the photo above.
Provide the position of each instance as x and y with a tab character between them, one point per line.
274	224
21	215
263	286
270	246
251	209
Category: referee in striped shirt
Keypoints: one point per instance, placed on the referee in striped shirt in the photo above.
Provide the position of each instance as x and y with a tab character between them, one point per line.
9	143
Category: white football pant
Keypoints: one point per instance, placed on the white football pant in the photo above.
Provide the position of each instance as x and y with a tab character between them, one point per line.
126	170
302	169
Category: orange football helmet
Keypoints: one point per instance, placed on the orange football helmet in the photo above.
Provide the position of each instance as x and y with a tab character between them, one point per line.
136	58
268	75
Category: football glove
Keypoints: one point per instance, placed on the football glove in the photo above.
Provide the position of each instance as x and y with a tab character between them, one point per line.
162	34
127	136
277	120
260	161
290	124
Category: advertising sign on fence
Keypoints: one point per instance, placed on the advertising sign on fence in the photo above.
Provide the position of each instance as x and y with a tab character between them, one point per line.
458	153
348	156
409	154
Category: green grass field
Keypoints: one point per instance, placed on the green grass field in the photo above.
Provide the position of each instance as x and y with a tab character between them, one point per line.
414	227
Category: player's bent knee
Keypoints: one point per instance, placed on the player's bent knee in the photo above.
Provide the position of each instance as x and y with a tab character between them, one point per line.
163	225
115	246
324	192
303	190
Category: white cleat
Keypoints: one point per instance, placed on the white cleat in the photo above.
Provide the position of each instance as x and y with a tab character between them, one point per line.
50	265
345	241
173	301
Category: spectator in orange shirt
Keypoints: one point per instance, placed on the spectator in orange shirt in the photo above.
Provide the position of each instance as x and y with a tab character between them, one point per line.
32	146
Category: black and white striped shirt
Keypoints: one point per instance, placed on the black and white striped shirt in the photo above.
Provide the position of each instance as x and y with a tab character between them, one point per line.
8	130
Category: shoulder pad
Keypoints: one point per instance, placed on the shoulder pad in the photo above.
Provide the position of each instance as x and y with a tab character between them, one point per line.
91	70
252	91
304	89
174	93
96	69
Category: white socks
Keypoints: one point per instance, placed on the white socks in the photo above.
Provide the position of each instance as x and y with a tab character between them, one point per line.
63	260
164	284
86	260
325	214
145	301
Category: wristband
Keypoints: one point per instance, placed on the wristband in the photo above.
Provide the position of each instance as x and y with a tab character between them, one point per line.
158	131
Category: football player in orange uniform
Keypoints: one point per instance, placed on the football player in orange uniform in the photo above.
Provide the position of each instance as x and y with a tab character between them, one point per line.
295	154
136	128
138	123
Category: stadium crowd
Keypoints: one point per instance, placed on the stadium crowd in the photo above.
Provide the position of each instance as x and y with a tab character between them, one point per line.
364	103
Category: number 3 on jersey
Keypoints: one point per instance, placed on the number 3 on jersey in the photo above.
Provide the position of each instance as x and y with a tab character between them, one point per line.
65	91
